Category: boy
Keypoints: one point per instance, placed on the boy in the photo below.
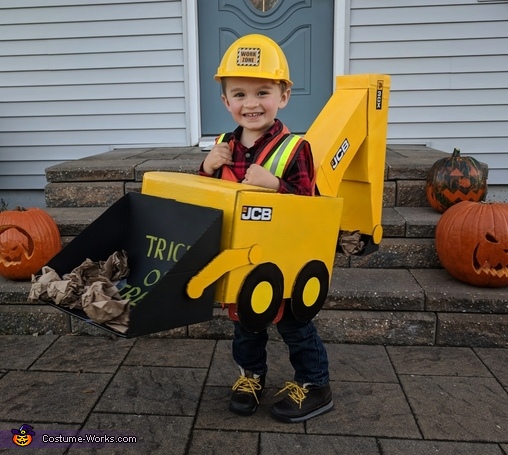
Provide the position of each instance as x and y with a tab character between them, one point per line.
254	75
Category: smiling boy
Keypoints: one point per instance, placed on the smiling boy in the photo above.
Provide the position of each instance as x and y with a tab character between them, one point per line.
254	75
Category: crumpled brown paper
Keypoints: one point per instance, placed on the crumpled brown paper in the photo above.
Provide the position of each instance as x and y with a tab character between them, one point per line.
65	293
90	287
40	284
351	242
115	267
102	304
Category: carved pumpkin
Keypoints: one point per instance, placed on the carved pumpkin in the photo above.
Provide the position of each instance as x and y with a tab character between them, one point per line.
472	243
23	436
455	179
29	238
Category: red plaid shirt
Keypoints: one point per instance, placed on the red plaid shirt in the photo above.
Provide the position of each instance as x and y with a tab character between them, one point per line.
298	177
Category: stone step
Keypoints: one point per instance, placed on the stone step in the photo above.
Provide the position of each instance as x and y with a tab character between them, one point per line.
408	236
102	179
72	220
410	222
403	193
394	307
397	295
94	183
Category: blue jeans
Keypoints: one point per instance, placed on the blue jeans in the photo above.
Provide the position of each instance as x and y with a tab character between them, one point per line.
307	353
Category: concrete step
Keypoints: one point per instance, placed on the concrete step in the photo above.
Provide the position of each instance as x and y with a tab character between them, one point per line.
393	307
94	183
102	179
408	236
398	295
72	220
410	222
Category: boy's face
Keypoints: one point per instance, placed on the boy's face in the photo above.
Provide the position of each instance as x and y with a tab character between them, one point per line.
254	102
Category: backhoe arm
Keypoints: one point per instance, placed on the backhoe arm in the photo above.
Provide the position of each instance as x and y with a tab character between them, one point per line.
348	140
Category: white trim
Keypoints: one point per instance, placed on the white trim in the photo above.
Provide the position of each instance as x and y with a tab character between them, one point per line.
341	38
191	58
206	143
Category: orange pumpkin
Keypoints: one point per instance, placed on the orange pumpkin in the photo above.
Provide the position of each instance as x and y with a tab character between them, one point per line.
472	243
29	238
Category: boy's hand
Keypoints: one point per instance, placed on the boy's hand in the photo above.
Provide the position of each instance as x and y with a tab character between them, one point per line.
259	176
219	155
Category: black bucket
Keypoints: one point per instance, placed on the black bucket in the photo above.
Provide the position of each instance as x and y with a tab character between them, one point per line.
167	243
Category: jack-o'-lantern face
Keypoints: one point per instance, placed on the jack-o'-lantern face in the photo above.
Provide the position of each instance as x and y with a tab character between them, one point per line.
453	179
491	257
22	439
29	238
15	252
22	436
472	243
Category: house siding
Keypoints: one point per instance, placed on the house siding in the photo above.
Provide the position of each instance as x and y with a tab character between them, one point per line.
83	77
449	65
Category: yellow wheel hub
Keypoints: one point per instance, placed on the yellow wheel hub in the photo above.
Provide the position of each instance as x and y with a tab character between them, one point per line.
262	296
311	292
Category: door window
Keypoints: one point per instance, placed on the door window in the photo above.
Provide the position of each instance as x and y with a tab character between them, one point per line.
264	5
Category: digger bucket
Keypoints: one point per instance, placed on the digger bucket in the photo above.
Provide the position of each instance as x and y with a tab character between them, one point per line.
167	243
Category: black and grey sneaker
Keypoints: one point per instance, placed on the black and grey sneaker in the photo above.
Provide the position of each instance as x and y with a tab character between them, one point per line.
302	402
246	392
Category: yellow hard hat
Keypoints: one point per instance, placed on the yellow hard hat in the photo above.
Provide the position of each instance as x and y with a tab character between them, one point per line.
254	56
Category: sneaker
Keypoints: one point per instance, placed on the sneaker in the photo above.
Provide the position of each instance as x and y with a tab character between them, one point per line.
302	402
246	392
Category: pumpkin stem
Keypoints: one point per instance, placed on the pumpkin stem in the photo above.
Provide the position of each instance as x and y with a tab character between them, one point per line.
20	209
3	205
456	152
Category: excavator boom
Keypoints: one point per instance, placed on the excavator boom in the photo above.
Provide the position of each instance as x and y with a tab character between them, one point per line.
348	140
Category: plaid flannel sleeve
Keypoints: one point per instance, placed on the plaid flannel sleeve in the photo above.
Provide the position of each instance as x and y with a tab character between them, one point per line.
299	178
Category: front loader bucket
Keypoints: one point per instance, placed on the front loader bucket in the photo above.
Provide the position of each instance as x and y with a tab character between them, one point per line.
167	243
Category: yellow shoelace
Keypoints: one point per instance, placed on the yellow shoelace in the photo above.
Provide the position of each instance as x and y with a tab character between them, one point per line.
247	385
295	392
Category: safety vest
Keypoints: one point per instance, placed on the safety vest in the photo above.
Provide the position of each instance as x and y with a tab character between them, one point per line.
276	156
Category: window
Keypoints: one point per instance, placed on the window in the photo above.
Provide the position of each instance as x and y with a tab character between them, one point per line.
263	5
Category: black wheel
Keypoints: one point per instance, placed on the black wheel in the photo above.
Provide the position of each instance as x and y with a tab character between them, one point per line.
260	297
310	290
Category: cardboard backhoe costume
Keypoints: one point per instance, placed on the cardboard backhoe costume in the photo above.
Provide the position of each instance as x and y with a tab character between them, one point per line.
204	241
262	152
254	268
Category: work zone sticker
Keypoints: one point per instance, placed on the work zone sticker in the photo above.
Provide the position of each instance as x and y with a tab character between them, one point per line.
248	56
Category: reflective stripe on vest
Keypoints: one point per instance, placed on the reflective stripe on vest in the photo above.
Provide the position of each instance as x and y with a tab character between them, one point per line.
279	159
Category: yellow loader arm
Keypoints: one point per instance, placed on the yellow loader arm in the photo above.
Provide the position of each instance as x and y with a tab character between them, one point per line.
224	262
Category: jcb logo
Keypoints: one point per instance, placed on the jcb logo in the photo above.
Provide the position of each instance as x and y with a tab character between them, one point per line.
340	153
256	213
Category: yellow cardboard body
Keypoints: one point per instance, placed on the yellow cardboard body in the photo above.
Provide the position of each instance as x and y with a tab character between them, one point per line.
348	140
293	235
